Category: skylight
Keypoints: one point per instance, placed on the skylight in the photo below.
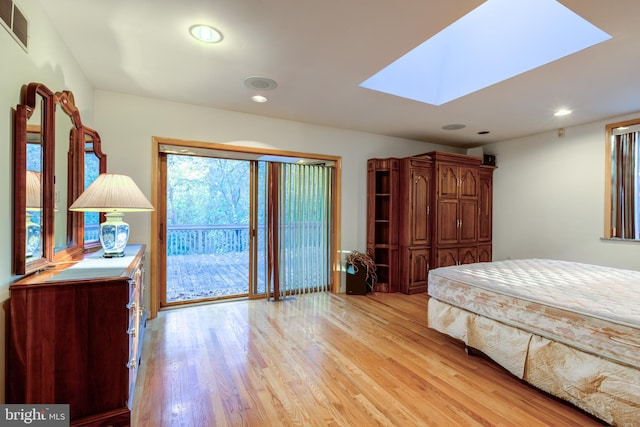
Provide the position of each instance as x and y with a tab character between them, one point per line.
494	42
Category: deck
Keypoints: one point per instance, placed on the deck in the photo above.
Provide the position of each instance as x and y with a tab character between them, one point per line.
193	277
208	262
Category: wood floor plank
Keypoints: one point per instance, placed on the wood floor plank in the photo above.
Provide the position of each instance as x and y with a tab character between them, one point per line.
326	360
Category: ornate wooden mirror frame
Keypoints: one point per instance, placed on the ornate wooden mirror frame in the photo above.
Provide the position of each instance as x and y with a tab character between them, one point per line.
48	176
92	162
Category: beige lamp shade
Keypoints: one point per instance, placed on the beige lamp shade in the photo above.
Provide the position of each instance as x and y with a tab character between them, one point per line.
34	190
112	193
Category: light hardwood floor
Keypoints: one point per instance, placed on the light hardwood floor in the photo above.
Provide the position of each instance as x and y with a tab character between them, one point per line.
325	360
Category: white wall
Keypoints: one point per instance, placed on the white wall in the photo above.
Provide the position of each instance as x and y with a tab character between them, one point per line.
48	62
127	124
549	199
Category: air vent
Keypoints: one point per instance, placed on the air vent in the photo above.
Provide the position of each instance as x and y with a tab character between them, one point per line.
14	21
260	83
20	26
6	6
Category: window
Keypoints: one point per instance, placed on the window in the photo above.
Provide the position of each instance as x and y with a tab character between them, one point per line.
622	190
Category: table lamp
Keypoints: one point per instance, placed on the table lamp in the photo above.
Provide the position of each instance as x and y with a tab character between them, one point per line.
114	195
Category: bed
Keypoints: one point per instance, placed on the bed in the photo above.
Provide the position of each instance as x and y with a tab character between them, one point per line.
570	329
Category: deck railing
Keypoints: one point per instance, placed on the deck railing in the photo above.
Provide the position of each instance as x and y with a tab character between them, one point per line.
219	239
207	239
91	232
211	239
196	239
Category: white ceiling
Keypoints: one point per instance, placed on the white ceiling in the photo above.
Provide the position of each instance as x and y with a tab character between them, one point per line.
318	52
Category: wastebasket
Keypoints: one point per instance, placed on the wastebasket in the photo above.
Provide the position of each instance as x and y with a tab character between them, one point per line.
356	279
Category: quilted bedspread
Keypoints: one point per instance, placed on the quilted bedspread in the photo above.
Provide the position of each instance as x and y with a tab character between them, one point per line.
593	308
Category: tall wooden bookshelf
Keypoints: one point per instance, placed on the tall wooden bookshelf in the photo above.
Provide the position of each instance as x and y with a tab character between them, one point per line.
382	224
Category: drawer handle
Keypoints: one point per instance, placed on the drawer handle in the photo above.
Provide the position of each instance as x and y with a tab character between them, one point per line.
132	363
132	331
131	305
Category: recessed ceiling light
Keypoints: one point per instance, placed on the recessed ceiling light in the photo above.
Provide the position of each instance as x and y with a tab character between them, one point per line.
259	98
205	33
562	112
454	126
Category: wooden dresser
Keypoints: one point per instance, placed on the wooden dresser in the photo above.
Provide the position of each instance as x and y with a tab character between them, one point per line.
75	335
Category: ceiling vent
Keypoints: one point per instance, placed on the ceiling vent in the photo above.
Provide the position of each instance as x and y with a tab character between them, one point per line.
14	21
260	83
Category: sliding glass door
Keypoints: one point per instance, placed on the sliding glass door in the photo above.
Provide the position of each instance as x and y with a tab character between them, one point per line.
244	228
208	202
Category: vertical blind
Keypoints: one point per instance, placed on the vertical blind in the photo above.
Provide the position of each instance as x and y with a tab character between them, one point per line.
304	224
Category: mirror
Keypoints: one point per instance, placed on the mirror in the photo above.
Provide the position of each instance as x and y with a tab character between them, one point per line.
53	149
33	179
94	163
33	211
62	230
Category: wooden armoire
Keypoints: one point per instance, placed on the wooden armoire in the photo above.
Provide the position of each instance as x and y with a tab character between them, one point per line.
427	211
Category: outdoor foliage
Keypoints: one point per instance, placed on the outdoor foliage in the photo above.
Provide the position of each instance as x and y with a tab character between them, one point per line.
202	190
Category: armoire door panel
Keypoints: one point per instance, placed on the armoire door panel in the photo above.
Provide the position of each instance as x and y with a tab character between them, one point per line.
420	206
485	201
447	227
419	270
468	215
468	182
468	255
484	253
448	180
446	257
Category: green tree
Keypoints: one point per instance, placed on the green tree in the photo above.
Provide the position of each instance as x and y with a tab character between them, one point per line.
202	190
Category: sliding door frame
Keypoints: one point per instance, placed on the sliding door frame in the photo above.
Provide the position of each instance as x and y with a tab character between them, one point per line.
157	267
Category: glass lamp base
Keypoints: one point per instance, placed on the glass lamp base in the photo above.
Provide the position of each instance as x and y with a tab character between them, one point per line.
114	234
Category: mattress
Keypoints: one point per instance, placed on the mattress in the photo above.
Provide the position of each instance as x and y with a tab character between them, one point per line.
592	308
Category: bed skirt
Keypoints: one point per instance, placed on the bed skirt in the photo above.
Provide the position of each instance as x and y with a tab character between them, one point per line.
606	389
